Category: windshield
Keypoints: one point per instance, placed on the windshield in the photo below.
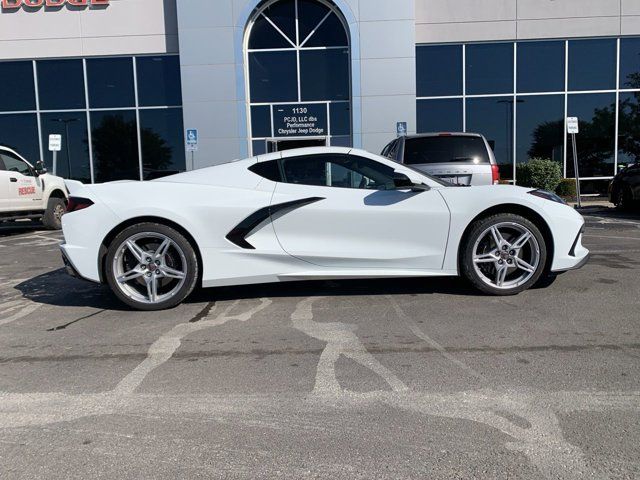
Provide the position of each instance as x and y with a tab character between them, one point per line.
445	149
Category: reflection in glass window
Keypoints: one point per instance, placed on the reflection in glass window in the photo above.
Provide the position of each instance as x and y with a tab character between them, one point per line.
540	130
265	35
324	74
159	81
493	118
443	115
629	129
20	132
310	14
61	84
261	121
283	15
18	92
340	118
489	68
115	145
72	162
273	76
110	82
259	147
161	132
335	170
592	64
439	70
341	142
630	63
596	142
330	33
541	66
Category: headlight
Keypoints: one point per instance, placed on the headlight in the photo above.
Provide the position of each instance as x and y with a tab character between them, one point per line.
547	196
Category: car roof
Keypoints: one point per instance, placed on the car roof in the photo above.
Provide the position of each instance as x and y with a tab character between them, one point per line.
299	152
445	134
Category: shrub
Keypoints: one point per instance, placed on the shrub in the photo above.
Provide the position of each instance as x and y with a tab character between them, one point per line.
539	173
567	188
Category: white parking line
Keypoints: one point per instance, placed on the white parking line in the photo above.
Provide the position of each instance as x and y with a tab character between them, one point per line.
341	341
423	336
163	349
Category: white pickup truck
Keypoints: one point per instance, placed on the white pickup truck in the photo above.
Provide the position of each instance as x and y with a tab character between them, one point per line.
30	192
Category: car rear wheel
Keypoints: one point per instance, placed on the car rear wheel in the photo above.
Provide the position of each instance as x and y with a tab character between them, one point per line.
504	254
151	266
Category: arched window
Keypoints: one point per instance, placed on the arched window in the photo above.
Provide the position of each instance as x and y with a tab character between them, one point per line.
298	76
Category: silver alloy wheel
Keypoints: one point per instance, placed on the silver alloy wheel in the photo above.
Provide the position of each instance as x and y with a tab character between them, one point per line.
506	255
149	267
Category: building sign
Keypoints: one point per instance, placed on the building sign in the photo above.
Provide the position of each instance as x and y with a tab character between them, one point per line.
31	4
401	129
300	120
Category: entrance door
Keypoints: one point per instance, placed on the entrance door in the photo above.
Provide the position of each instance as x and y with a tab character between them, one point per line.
290	144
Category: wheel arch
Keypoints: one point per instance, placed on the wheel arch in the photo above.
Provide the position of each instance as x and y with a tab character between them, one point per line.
515	209
57	193
106	242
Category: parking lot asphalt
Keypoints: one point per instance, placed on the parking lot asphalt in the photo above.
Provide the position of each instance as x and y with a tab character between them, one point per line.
407	378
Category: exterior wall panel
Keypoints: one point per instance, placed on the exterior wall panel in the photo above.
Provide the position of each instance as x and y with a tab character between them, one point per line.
124	27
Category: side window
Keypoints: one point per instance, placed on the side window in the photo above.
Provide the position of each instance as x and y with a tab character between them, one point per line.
393	151
341	171
268	170
14	164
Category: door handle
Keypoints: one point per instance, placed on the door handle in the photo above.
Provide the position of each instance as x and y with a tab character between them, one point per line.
13	180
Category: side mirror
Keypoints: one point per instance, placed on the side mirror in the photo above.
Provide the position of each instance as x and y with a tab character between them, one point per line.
40	168
402	182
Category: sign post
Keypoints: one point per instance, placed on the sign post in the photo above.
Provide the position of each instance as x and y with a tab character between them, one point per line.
191	139
55	145
573	129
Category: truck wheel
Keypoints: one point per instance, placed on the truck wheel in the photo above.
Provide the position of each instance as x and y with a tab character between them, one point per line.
52	218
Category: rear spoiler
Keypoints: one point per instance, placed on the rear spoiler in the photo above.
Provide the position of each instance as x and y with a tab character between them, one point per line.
73	186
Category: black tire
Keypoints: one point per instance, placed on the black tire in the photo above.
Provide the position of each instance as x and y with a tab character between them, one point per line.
52	218
191	267
625	198
479	228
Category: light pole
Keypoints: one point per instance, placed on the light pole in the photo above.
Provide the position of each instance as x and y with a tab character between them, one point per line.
66	122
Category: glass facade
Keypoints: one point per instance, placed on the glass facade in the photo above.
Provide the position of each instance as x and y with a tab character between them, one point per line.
518	94
298	61
119	117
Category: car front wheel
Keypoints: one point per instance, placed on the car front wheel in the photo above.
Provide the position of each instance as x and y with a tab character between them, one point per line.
151	266
504	254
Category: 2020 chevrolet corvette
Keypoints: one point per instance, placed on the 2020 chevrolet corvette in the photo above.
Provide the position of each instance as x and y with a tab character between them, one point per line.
318	213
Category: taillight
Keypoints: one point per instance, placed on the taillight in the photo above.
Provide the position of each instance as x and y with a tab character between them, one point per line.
495	174
77	203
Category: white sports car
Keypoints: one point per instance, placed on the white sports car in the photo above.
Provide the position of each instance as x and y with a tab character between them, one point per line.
318	213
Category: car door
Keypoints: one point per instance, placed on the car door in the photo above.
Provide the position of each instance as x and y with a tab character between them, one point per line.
343	211
25	189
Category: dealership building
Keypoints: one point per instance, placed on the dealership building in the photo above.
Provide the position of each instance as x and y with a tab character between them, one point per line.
123	80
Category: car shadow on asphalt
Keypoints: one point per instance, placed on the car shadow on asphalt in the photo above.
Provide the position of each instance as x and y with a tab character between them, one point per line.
11	229
611	212
57	288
